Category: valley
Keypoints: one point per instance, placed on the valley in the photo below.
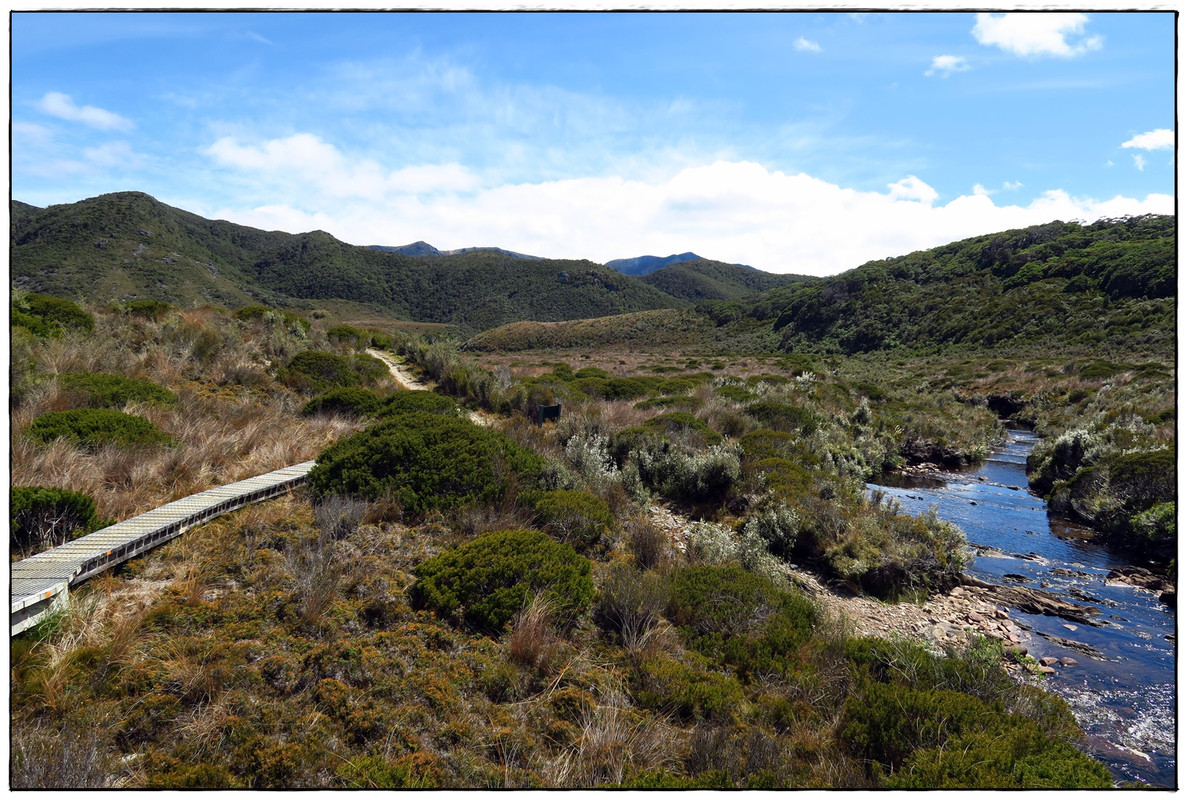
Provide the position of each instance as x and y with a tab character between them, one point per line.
740	609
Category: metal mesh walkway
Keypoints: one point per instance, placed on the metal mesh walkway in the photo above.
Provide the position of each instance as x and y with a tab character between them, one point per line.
40	584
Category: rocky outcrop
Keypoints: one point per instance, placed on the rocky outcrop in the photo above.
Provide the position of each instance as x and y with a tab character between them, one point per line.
1037	601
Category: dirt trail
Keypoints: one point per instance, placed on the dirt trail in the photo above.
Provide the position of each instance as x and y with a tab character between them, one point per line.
404	377
400	372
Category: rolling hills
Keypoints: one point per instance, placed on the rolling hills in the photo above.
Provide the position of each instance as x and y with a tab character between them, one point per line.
130	246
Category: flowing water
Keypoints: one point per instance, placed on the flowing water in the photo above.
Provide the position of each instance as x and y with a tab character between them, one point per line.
1122	689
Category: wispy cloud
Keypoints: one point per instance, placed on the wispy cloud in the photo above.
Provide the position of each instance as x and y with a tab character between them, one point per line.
62	106
1139	161
1161	139
739	211
946	65
1037	34
807	45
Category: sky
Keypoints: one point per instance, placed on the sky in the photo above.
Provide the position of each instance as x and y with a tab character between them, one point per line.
801	142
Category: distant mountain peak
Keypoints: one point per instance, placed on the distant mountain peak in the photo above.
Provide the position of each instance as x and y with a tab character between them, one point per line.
426	249
644	265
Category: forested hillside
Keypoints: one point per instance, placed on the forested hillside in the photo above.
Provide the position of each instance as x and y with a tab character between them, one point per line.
128	246
701	279
1110	284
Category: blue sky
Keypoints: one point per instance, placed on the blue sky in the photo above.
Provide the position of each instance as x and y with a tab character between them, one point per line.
794	142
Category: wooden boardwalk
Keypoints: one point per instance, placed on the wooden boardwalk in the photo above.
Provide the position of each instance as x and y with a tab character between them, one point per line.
40	584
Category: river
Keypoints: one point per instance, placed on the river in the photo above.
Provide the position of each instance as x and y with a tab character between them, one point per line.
1122	688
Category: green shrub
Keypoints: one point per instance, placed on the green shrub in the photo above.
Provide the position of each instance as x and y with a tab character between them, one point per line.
147	309
319	370
349	401
93	427
428	402
348	335
706	477
50	317
40	517
681	421
775	524
256	313
739	618
784	417
424	462
484	583
689	692
576	517
102	390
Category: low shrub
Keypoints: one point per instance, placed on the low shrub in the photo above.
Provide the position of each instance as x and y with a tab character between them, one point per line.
424	462
407	402
318	370
630	603
740	618
573	516
784	417
103	390
147	309
689	693
93	427
682	422
41	517
50	317
257	313
348	401
485	582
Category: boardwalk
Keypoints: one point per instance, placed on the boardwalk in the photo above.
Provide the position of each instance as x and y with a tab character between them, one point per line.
41	583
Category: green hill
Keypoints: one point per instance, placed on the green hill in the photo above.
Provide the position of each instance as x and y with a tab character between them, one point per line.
700	279
1107	285
128	245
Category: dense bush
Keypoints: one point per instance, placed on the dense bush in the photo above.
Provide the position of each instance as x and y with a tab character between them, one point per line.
319	370
40	518
689	692
784	417
147	309
424	462
573	516
739	618
102	390
49	317
93	427
262	314
487	581
677	422
428	402
349	401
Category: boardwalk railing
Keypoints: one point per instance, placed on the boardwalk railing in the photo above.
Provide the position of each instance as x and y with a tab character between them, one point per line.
41	583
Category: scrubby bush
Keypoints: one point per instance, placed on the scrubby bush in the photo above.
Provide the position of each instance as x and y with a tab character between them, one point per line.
573	516
347	335
424	462
739	618
102	390
484	583
630	603
703	477
775	524
92	427
349	401
147	309
292	322
409	401
49	317
41	517
318	370
690	692
784	417
682	422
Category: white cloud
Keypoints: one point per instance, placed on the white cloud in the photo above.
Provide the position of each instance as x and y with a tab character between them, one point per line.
1139	161
736	211
62	106
1012	186
946	65
1161	139
807	46
978	189
1037	34
305	160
